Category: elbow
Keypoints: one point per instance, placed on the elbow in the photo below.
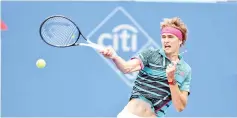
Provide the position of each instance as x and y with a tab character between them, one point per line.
180	108
126	71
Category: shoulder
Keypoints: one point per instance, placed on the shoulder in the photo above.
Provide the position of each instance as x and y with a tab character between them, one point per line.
187	68
149	51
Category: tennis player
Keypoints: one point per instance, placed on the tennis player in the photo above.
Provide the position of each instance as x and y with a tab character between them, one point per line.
164	77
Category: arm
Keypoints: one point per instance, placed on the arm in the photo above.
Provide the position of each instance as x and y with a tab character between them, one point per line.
121	64
179	95
179	98
127	66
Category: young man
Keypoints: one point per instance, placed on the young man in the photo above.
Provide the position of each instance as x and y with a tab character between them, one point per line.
164	77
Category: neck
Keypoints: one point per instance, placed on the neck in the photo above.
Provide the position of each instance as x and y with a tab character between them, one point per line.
173	56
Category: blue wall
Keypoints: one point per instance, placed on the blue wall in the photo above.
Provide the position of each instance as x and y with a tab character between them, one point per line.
79	82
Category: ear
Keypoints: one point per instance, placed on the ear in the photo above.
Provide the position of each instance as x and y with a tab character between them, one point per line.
180	42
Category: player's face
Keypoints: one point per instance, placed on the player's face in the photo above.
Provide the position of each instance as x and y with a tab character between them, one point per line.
170	43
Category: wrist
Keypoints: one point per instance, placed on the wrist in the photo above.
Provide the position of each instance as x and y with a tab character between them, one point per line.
172	82
170	79
114	57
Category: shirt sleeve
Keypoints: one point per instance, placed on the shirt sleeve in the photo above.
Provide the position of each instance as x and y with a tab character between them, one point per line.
143	57
186	84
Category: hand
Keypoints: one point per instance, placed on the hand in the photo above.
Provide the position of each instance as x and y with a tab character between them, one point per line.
108	52
170	71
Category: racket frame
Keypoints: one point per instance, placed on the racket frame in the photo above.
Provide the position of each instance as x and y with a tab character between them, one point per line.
54	16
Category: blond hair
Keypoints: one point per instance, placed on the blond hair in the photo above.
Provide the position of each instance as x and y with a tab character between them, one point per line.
177	23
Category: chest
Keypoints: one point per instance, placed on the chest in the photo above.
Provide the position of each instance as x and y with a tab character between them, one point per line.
157	67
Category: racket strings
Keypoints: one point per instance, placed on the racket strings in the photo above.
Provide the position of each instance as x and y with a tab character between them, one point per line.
59	36
59	32
64	35
50	31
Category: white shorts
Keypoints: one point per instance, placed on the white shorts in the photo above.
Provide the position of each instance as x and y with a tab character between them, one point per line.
126	114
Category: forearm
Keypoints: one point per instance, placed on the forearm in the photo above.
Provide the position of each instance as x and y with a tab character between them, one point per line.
178	99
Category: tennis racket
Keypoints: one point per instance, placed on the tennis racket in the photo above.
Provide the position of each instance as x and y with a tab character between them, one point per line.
60	31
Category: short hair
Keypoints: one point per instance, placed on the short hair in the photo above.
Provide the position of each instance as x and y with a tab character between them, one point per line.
177	23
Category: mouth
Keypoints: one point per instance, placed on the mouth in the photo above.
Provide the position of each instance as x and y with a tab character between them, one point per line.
167	46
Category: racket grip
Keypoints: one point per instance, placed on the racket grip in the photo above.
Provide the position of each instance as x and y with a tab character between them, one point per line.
92	45
98	47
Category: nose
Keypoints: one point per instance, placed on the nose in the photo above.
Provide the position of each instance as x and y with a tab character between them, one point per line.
166	40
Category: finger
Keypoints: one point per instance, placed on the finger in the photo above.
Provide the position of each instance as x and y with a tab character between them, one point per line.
167	73
170	65
174	63
172	68
107	51
167	70
102	51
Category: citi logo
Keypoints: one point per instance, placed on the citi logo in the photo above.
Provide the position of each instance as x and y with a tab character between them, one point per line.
120	31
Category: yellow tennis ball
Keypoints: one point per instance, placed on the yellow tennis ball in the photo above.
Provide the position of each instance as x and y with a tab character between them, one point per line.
40	63
73	36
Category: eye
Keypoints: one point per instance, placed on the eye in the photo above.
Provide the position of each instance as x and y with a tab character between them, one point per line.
163	36
170	36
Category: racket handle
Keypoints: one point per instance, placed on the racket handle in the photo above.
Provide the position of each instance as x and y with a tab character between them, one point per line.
97	47
92	45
